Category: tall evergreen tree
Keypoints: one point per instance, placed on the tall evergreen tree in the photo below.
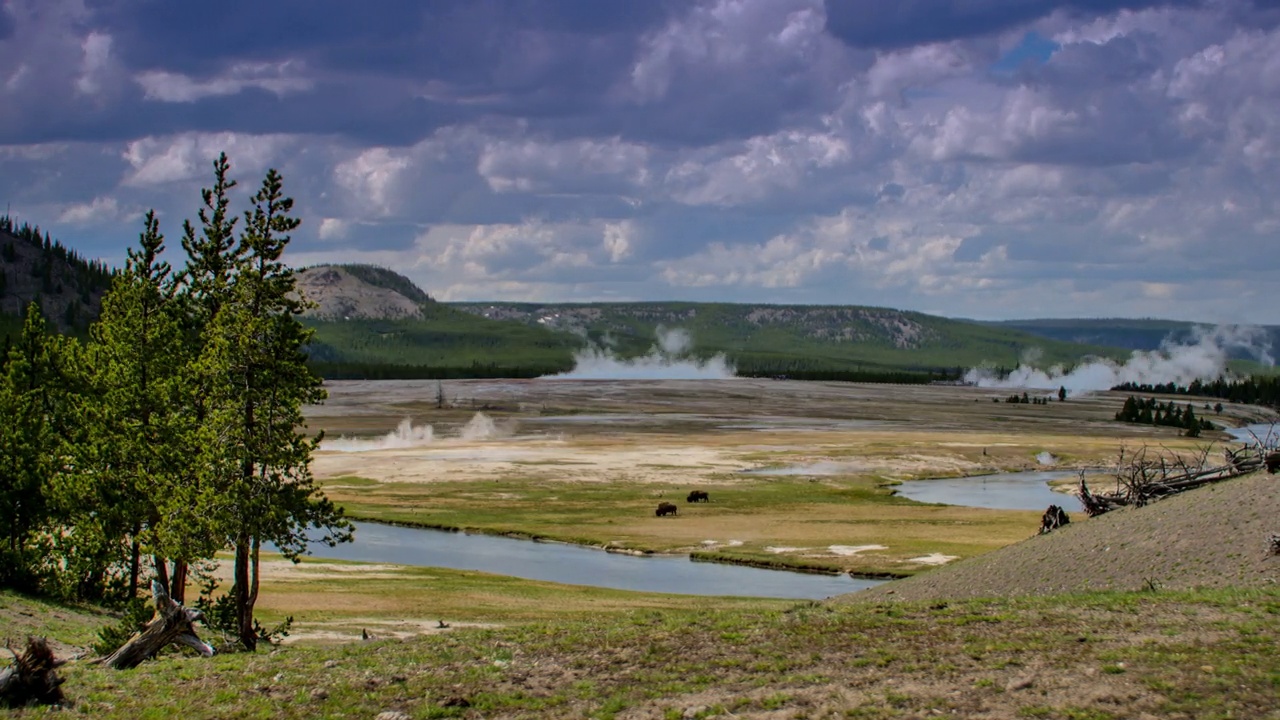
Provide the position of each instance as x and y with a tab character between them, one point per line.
140	419
253	356
33	408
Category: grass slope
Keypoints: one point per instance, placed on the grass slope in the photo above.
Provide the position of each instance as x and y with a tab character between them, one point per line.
1191	654
1214	536
445	340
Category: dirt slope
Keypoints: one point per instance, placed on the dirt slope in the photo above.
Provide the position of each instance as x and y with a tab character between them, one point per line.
1214	536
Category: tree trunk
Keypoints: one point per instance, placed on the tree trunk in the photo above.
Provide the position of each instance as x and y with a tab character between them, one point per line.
32	680
171	624
178	583
243	594
162	570
135	564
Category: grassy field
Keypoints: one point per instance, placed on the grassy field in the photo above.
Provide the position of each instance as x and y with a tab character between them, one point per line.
1198	654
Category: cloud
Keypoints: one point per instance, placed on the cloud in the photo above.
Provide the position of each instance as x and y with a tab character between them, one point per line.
924	155
100	209
279	78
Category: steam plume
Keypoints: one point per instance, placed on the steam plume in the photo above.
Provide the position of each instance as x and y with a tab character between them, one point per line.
1205	358
667	360
408	435
405	435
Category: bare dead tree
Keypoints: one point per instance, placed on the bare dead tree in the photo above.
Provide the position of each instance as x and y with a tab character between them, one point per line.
32	679
1143	476
172	623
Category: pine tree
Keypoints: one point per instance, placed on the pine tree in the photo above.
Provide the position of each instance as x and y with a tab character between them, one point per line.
140	418
253	355
1191	422
29	448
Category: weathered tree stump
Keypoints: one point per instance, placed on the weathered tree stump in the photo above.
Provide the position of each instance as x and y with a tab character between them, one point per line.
32	680
1053	518
171	624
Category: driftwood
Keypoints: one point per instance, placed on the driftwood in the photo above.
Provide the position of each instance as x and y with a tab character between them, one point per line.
172	624
31	679
1143	477
1053	518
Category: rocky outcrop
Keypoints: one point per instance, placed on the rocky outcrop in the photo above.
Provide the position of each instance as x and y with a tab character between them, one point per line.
340	295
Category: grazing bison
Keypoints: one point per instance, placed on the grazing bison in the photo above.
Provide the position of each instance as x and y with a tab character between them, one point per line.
1273	462
665	508
698	496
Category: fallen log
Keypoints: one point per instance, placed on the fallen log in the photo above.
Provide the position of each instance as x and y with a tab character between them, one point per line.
31	679
172	623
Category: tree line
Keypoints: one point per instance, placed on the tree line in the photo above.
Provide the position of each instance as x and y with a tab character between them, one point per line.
173	432
1264	390
1166	414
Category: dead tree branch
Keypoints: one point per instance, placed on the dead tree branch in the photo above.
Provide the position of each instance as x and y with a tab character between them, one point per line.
172	624
1142	476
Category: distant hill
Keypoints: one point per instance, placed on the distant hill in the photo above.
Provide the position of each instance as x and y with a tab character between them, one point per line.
34	266
373	322
1122	333
786	339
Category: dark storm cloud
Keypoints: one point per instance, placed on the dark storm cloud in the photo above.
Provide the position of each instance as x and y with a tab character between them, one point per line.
456	38
901	23
390	74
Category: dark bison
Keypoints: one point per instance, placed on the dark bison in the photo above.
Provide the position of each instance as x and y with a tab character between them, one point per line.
698	496
665	508
1273	462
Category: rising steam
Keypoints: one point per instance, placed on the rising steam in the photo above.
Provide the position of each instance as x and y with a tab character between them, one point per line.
667	360
408	435
1205	358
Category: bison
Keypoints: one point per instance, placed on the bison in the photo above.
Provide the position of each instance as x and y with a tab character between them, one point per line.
1273	462
698	496
665	508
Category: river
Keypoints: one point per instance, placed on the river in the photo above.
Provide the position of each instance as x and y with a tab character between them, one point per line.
575	565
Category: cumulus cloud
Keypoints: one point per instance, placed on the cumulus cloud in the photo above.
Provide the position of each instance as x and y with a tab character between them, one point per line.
98	210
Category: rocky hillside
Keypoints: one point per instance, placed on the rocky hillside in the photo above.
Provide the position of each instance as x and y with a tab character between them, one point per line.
345	292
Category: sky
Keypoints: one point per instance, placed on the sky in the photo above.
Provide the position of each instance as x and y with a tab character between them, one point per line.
986	159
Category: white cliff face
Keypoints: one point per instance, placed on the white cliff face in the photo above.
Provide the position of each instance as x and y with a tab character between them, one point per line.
339	295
